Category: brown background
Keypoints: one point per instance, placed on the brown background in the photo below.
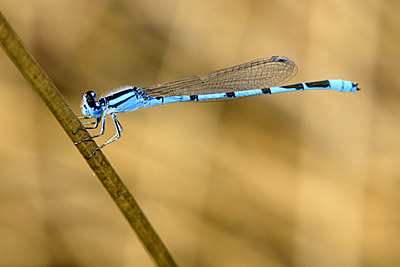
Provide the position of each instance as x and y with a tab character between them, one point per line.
297	179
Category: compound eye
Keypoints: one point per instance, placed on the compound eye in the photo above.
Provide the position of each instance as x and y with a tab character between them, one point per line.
90	94
90	99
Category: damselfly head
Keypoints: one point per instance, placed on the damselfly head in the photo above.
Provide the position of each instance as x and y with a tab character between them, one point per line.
91	107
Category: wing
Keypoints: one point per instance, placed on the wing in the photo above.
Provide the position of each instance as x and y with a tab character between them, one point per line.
261	73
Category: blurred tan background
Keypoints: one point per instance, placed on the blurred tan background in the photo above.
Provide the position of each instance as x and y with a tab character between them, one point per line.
296	179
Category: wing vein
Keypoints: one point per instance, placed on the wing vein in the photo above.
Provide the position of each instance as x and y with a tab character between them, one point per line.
261	73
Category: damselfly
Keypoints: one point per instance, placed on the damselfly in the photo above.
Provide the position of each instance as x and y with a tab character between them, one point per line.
258	77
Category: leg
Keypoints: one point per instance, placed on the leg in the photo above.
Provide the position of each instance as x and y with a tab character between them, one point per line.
96	124
103	127
119	129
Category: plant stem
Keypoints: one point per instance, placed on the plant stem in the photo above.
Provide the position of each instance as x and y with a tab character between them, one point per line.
46	89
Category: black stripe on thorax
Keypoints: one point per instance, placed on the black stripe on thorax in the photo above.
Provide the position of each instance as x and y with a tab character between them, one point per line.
119	94
121	102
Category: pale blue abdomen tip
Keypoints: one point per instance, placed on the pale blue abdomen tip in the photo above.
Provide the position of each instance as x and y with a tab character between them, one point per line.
344	86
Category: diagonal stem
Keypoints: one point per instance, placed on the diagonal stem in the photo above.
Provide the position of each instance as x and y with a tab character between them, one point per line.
46	89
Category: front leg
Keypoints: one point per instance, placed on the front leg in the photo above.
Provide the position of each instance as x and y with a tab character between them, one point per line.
103	127
96	124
